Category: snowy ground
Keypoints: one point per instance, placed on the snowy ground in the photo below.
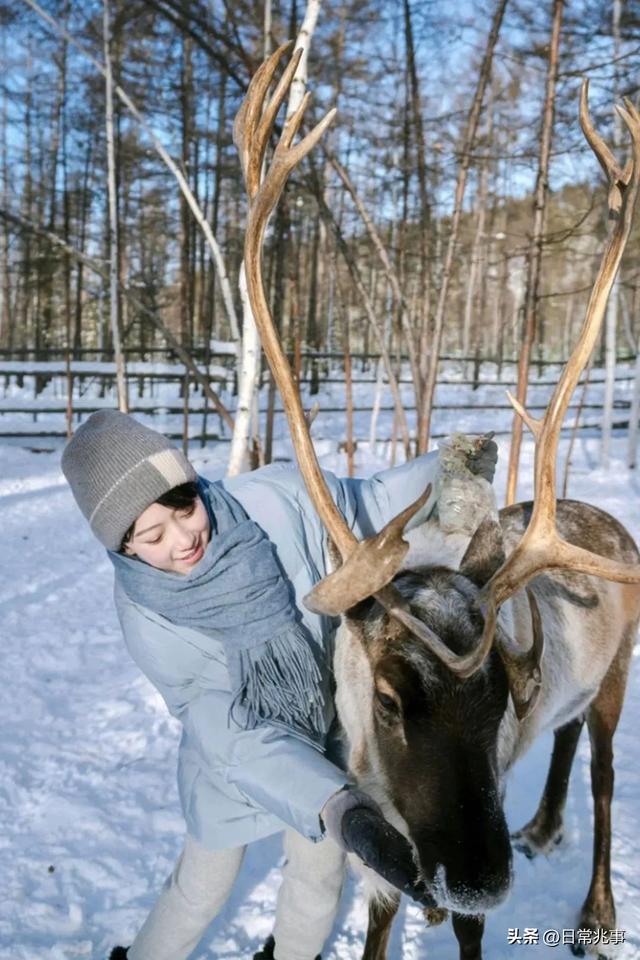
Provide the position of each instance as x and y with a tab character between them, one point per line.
89	815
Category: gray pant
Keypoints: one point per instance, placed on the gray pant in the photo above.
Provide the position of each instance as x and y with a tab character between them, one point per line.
202	880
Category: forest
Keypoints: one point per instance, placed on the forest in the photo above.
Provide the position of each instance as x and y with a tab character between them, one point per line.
453	211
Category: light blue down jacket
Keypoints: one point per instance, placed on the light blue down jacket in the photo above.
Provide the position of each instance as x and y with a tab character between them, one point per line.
239	785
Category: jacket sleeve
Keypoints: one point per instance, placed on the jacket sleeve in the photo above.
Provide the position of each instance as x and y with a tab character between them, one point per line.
370	504
271	768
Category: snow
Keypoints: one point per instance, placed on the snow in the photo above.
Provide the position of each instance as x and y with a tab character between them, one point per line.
457	406
89	813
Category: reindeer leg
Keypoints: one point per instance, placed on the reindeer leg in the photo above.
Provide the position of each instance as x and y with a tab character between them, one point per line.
381	914
544	830
598	910
468	931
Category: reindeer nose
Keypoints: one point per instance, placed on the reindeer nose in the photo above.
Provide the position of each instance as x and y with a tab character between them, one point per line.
481	894
481	878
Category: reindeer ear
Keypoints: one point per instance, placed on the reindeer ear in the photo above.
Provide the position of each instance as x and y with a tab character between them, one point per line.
485	554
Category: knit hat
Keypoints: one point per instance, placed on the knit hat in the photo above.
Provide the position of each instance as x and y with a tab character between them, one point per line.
116	468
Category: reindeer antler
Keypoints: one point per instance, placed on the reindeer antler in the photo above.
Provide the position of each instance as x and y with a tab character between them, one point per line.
541	547
368	566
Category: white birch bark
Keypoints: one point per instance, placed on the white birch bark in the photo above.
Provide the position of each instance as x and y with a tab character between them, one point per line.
251	347
611	322
249	372
303	42
266	30
114	288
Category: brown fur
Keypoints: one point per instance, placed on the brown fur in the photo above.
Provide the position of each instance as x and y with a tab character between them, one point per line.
436	747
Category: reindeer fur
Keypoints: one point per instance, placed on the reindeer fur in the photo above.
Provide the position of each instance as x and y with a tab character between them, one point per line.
589	629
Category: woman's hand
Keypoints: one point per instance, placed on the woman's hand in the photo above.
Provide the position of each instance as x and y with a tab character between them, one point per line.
356	823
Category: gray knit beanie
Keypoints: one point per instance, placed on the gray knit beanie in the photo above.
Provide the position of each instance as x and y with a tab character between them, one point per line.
116	468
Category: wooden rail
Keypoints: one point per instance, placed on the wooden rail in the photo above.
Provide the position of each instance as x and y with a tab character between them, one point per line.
86	373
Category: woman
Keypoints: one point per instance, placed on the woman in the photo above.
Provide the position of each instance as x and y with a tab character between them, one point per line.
208	582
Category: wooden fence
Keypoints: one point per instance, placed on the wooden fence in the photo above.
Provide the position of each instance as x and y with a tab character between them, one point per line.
93	387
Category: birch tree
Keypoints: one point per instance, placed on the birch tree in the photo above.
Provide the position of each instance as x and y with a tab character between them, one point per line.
251	349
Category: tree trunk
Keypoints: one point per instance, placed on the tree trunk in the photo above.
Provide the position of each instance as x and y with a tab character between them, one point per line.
114	260
313	338
209	320
634	418
534	257
186	96
247	386
251	353
136	303
86	202
478	266
465	159
611	322
66	233
348	388
372	317
424	296
169	162
5	281
390	273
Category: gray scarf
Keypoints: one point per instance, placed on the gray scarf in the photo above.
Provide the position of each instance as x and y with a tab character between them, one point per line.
237	594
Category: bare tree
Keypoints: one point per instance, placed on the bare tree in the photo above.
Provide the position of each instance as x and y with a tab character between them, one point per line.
611	323
465	160
534	256
114	258
170	163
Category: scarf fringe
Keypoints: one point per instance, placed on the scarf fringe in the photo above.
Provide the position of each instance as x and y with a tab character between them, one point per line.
280	683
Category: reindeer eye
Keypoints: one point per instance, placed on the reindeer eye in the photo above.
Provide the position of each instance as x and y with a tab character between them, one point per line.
386	702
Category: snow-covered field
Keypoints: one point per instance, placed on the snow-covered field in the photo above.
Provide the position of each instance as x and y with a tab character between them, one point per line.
89	814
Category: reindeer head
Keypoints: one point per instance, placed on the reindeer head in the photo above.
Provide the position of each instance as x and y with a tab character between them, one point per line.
432	736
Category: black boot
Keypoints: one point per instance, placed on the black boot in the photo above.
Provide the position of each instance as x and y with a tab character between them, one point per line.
119	953
267	951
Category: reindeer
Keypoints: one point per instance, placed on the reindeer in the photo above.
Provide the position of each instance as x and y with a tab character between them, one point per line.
446	674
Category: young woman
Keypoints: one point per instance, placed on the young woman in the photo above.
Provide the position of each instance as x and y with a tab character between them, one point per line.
209	580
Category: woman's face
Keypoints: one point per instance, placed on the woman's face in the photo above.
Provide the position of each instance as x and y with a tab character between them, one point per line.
171	539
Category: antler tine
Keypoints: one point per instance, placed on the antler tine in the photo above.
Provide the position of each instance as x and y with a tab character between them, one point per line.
368	569
250	132
294	122
308	143
285	159
394	603
601	149
280	92
534	425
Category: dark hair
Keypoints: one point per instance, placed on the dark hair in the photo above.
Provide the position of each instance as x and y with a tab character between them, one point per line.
178	498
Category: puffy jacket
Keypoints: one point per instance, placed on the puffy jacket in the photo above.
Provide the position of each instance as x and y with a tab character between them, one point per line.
240	785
